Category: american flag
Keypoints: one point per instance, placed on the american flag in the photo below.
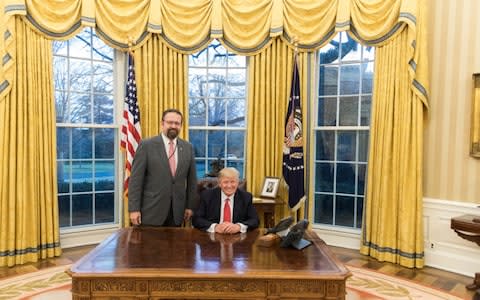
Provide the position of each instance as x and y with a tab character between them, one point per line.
131	132
293	165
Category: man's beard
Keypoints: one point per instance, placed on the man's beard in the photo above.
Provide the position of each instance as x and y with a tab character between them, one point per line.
172	133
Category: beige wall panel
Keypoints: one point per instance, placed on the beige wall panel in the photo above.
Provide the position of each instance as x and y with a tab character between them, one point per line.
454	51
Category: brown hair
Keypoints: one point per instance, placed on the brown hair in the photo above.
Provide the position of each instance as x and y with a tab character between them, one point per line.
171	110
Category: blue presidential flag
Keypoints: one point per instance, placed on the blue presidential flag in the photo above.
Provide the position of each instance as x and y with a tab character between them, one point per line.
293	165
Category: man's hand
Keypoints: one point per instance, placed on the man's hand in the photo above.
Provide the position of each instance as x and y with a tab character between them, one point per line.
187	214
136	218
227	227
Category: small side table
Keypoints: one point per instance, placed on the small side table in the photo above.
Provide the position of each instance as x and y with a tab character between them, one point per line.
468	227
266	207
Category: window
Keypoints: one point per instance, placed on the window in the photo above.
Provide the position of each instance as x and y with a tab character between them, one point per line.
217	107
341	131
86	131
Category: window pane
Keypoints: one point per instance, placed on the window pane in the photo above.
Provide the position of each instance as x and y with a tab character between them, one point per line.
367	77
323	209
236	83
216	143
61	106
365	110
197	82
104	175
198	140
60	69
328	80
359	212
217	82
235	142
63	143
330	52
197	112
104	208
80	108
346	145
345	178
82	209
103	109
350	50
80	45
344	211
80	75
327	111
324	175
82	172
363	146
236	113
64	210
201	168
349	79
362	170
216	112
102	77
198	59
217	55
63	176
59	47
104	142
101	51
325	145
348	114
82	139
237	61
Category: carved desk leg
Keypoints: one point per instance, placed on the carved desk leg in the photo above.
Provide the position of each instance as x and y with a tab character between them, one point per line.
476	283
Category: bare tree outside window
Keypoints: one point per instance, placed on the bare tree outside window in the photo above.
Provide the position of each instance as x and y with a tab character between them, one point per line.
86	129
217	103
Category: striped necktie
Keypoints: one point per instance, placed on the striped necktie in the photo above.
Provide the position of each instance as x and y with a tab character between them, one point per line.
171	158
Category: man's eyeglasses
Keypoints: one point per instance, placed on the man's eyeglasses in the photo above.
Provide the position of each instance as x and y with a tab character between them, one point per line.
173	123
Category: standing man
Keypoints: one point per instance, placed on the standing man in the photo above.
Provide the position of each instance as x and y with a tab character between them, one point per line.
163	181
226	209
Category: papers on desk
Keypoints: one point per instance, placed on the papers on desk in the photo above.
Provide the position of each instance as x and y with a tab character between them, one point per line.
262	200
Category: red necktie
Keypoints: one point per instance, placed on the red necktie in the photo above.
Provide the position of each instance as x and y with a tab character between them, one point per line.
227	214
171	158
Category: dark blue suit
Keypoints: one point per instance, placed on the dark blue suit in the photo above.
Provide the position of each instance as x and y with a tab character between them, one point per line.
208	211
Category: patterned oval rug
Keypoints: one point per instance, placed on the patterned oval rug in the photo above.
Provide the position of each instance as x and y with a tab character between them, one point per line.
54	283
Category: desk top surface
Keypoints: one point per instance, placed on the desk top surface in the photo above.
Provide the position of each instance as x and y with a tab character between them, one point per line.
181	252
469	223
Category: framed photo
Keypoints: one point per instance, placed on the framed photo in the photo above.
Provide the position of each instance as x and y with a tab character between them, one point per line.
270	187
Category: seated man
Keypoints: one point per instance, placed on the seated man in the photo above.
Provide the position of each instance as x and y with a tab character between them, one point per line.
226	209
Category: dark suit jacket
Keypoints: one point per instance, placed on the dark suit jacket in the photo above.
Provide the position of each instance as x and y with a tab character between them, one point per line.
152	188
208	211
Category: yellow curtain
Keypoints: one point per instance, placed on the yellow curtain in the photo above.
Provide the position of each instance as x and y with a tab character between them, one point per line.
392	226
162	77
270	76
29	226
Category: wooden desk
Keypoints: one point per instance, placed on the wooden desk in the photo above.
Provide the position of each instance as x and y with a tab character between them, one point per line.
185	263
266	208
468	227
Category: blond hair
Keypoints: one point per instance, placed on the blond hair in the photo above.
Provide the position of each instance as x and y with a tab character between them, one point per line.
229	172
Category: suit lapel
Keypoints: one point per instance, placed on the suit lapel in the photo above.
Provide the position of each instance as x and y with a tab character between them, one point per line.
180	154
236	206
162	153
218	203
